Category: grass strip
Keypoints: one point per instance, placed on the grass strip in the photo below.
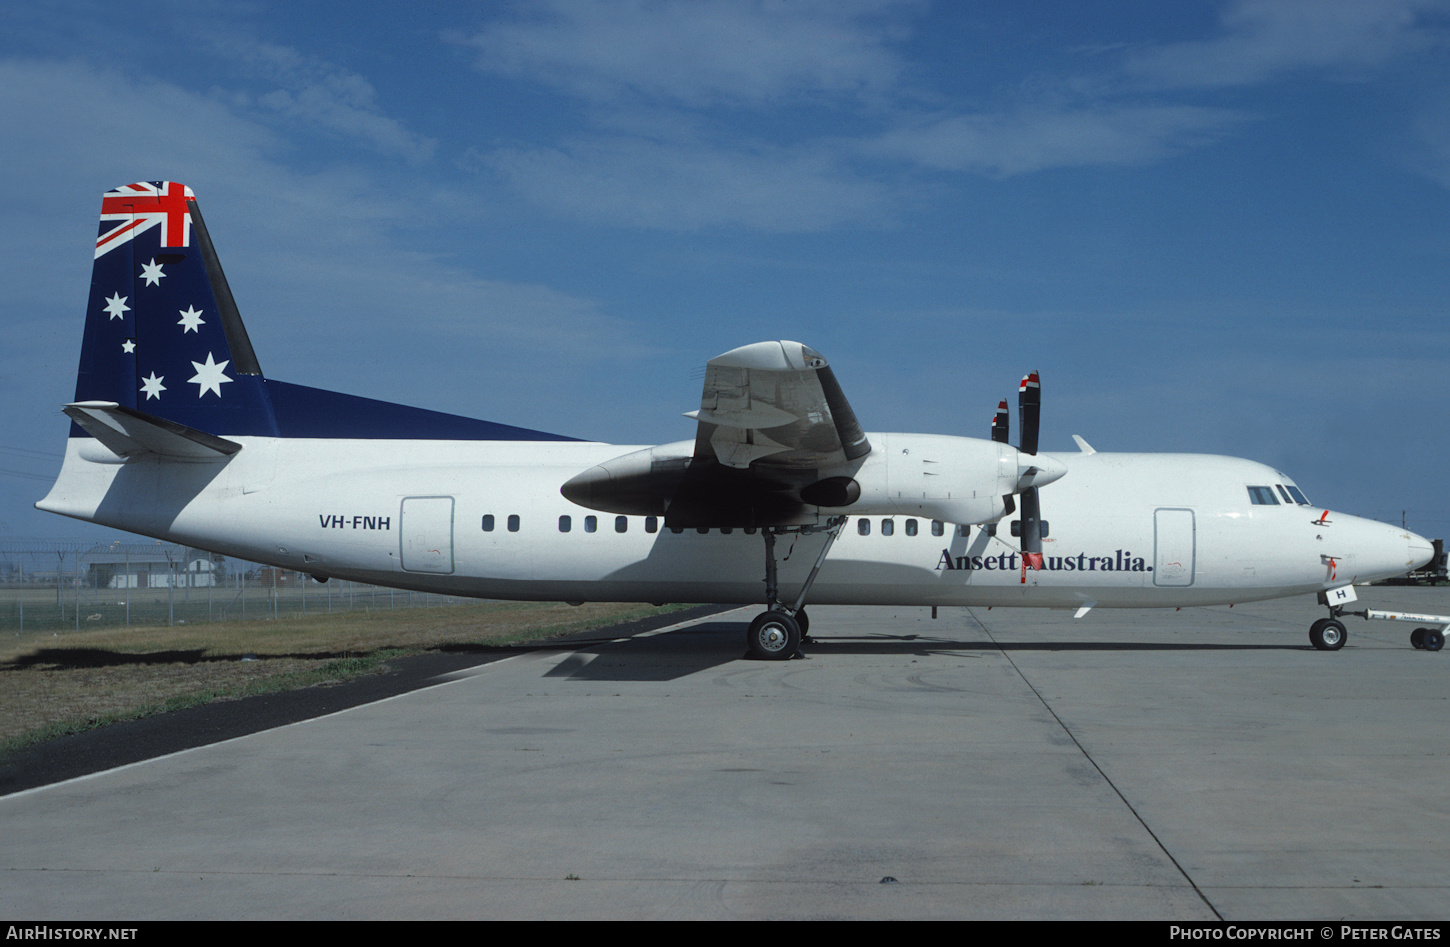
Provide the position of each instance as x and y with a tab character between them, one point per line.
54	685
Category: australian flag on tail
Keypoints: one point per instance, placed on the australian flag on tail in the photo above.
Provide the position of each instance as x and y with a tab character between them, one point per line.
162	332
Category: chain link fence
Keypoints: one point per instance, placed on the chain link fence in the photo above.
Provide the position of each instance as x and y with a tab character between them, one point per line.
60	585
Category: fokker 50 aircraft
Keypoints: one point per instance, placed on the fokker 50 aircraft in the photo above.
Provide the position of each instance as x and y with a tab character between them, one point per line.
177	434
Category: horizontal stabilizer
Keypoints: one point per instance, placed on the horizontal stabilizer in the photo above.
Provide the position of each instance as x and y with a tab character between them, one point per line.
129	433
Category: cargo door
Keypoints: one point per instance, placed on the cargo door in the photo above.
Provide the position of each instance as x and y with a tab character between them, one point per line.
427	534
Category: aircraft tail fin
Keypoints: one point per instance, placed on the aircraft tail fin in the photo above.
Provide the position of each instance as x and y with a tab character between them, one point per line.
163	335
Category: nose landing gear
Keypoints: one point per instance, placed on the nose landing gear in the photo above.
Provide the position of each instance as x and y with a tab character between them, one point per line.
1327	634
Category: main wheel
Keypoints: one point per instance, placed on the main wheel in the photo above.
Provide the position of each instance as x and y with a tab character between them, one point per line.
1328	634
773	636
1417	638
1434	639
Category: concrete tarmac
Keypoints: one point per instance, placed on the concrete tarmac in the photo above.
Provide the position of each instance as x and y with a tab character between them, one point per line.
1195	765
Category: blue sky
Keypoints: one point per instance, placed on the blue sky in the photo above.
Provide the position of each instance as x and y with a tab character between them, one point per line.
1213	227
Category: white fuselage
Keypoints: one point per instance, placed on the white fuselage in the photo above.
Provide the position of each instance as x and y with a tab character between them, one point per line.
1124	530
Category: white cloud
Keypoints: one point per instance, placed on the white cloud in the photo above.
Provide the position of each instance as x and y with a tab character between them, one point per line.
686	186
698	52
320	93
1263	38
1033	139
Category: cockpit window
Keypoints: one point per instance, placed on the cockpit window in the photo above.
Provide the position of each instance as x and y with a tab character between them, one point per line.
1285	494
1298	495
1263	496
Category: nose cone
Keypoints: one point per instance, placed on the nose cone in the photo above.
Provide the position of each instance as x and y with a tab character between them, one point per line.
1378	550
1421	550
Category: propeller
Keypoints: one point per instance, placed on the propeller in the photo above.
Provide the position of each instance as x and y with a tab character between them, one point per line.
1029	410
999	423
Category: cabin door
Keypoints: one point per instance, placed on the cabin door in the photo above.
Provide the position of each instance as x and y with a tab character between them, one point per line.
1173	536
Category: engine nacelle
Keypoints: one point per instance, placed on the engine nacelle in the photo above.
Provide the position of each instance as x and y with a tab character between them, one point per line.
937	476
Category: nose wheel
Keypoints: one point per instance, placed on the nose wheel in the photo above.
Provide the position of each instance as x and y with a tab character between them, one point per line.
1328	634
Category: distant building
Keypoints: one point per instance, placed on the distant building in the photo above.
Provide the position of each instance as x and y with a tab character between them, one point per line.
196	570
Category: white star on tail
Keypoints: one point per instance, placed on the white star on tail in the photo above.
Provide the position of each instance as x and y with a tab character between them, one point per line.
153	387
151	273
190	319
129	346
116	305
209	376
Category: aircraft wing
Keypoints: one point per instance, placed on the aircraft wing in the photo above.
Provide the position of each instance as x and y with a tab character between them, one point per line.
776	405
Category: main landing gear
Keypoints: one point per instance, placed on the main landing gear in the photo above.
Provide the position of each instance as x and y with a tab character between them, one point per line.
776	633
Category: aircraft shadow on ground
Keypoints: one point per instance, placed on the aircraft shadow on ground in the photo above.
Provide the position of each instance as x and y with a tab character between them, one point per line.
677	654
663	657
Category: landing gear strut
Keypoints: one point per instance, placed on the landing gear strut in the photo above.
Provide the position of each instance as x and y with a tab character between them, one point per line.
776	633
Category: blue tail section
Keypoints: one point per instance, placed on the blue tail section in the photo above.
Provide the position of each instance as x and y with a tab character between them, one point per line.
164	337
162	333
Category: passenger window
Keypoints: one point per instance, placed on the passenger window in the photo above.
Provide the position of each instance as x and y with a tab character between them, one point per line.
888	527
938	528
750	530
1262	496
677	530
965	531
565	524
726	530
591	523
651	524
911	527
513	522
621	523
703	530
863	527
488	522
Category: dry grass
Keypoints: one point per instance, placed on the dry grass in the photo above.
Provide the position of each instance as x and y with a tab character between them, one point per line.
51	684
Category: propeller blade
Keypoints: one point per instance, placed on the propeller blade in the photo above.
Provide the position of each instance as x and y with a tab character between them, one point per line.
1029	408
1000	423
1031	529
